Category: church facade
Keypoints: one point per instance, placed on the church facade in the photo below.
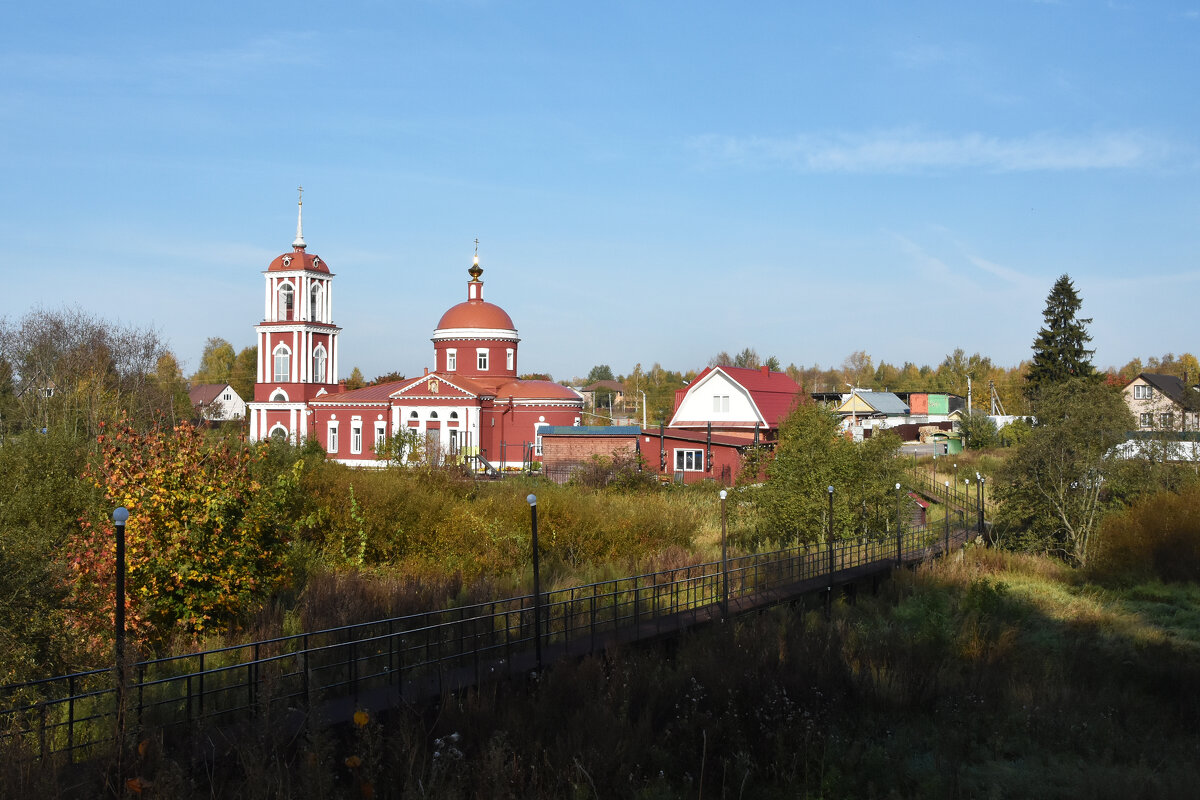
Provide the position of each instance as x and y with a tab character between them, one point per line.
469	408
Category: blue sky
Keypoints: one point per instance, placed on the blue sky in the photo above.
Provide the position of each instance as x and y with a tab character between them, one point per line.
648	181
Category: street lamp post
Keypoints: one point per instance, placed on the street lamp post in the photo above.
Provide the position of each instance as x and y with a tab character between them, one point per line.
120	517
830	490
537	585
724	562
979	497
956	476
899	543
947	525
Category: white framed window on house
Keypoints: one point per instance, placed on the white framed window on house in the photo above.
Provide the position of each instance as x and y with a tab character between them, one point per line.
720	402
355	437
512	359
451	359
331	444
538	427
689	461
1146	420
380	435
283	364
1143	392
481	356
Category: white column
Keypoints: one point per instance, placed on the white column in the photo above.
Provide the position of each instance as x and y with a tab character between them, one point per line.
295	371
292	425
267	299
303	424
304	296
254	425
308	376
274	301
329	300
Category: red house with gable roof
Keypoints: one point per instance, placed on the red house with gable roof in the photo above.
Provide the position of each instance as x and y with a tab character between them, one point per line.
471	405
737	401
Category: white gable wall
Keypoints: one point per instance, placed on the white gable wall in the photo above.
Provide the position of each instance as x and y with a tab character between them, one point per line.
697	405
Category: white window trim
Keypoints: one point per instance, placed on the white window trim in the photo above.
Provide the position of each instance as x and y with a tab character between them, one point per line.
331	440
451	359
281	349
380	434
320	352
481	358
537	436
681	459
281	306
356	437
511	358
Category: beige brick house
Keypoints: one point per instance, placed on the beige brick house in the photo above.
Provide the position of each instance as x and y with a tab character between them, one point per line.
1163	402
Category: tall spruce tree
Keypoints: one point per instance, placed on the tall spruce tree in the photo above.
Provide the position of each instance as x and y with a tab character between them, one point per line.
1059	351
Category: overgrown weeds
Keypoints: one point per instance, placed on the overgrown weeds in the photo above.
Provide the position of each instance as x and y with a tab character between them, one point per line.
989	674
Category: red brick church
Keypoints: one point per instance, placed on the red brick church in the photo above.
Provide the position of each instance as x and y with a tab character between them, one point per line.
470	406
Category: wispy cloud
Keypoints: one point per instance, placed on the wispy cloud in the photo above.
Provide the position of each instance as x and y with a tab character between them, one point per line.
1007	274
908	151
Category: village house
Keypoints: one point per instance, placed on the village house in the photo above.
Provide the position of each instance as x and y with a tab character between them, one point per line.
1163	402
685	456
740	402
216	402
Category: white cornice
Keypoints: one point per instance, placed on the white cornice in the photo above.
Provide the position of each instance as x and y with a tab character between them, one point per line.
296	273
292	325
493	334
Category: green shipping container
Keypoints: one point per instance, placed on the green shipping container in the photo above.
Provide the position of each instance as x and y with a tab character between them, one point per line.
939	404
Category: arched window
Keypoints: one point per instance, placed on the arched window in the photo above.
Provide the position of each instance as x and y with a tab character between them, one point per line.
279	433
283	363
453	415
279	397
433	415
287	298
314	303
319	364
413	415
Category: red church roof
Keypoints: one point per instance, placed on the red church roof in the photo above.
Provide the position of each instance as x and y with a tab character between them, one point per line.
368	394
535	390
476	314
298	259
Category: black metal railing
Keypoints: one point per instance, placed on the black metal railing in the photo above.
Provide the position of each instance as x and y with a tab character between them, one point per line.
956	495
420	655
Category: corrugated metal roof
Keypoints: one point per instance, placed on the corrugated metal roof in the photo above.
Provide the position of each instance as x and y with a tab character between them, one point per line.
591	430
884	402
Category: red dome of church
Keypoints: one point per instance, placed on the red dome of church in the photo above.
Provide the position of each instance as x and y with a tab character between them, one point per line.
298	259
476	314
